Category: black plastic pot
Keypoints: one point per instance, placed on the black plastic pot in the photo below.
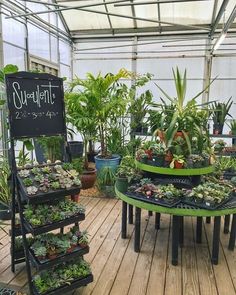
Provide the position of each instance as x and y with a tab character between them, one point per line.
122	184
92	155
158	161
76	148
218	128
5	212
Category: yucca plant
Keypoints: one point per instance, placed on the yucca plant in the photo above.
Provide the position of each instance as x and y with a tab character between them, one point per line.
219	111
233	127
5	193
188	116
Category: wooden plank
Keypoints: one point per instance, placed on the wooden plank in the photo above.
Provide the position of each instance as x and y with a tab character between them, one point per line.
159	261
230	256
222	274
7	275
97	240
173	281
140	278
125	273
207	281
189	263
102	256
20	279
107	277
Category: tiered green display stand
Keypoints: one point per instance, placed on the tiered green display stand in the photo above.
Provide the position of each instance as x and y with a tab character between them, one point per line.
178	212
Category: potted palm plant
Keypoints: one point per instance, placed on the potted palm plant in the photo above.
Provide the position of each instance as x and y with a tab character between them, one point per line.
80	113
108	98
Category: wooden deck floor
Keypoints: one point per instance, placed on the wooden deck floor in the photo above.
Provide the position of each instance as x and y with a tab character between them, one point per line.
118	270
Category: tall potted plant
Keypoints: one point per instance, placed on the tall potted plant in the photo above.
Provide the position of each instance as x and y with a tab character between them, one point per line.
220	110
108	98
80	113
5	192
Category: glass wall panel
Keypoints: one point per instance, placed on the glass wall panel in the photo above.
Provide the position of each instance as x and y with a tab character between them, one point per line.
65	52
13	31
54	49
38	42
14	55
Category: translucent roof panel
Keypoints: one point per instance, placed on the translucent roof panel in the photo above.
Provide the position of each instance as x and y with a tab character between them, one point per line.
112	15
197	12
83	20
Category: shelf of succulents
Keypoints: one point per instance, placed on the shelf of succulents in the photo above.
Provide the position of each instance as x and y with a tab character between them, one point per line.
40	192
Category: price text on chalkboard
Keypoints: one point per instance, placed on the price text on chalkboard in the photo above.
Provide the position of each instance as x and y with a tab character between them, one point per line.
36	105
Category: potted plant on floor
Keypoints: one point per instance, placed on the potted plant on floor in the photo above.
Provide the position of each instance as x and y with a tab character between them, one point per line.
125	173
80	113
108	98
219	111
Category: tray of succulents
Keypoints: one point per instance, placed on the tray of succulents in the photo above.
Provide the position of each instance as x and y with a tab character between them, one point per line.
210	195
164	195
48	182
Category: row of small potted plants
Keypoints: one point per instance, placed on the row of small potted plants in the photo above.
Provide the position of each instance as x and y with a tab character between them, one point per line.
208	193
39	215
49	178
64	274
155	153
49	246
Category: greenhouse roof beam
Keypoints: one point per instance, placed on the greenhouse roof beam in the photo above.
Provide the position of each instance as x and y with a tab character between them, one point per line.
218	17
108	17
156	2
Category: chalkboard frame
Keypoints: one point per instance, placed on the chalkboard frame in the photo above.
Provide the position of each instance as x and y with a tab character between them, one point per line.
36	76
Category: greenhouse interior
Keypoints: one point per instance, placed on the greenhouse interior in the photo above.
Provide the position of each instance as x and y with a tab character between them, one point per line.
118	147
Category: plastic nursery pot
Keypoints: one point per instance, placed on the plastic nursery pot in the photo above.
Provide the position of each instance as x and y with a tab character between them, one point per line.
158	160
52	256
88	178
178	165
217	129
41	257
112	162
75	198
122	184
91	156
83	245
5	212
144	160
76	148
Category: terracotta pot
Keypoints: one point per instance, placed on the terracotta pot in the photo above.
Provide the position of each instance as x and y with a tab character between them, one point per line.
88	178
149	153
180	134
178	165
75	198
52	256
69	250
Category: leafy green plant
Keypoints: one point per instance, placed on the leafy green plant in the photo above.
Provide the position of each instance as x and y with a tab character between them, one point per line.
220	110
127	168
27	181
233	126
177	158
108	100
106	177
52	147
5	192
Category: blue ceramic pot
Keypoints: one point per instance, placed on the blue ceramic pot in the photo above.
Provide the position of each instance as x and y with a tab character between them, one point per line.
103	162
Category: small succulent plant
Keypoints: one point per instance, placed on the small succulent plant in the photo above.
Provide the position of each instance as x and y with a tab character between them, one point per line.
27	181
31	190
24	173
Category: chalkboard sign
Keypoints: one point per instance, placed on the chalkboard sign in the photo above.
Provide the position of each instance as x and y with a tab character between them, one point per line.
36	105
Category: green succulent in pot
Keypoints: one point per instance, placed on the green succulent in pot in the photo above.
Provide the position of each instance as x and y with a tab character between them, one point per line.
177	162
195	161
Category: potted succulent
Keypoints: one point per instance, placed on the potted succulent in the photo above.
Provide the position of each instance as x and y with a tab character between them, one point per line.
195	161
219	111
83	239
177	162
219	145
158	153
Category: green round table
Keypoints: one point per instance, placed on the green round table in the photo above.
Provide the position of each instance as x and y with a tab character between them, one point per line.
177	225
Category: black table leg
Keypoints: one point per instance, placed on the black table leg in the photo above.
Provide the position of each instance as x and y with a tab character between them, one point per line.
199	230
150	213
216	240
226	224
131	214
124	220
137	229
232	234
157	220
175	239
181	231
208	219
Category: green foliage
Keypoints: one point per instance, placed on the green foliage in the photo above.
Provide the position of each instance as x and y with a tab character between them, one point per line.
5	192
106	177
51	147
220	110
